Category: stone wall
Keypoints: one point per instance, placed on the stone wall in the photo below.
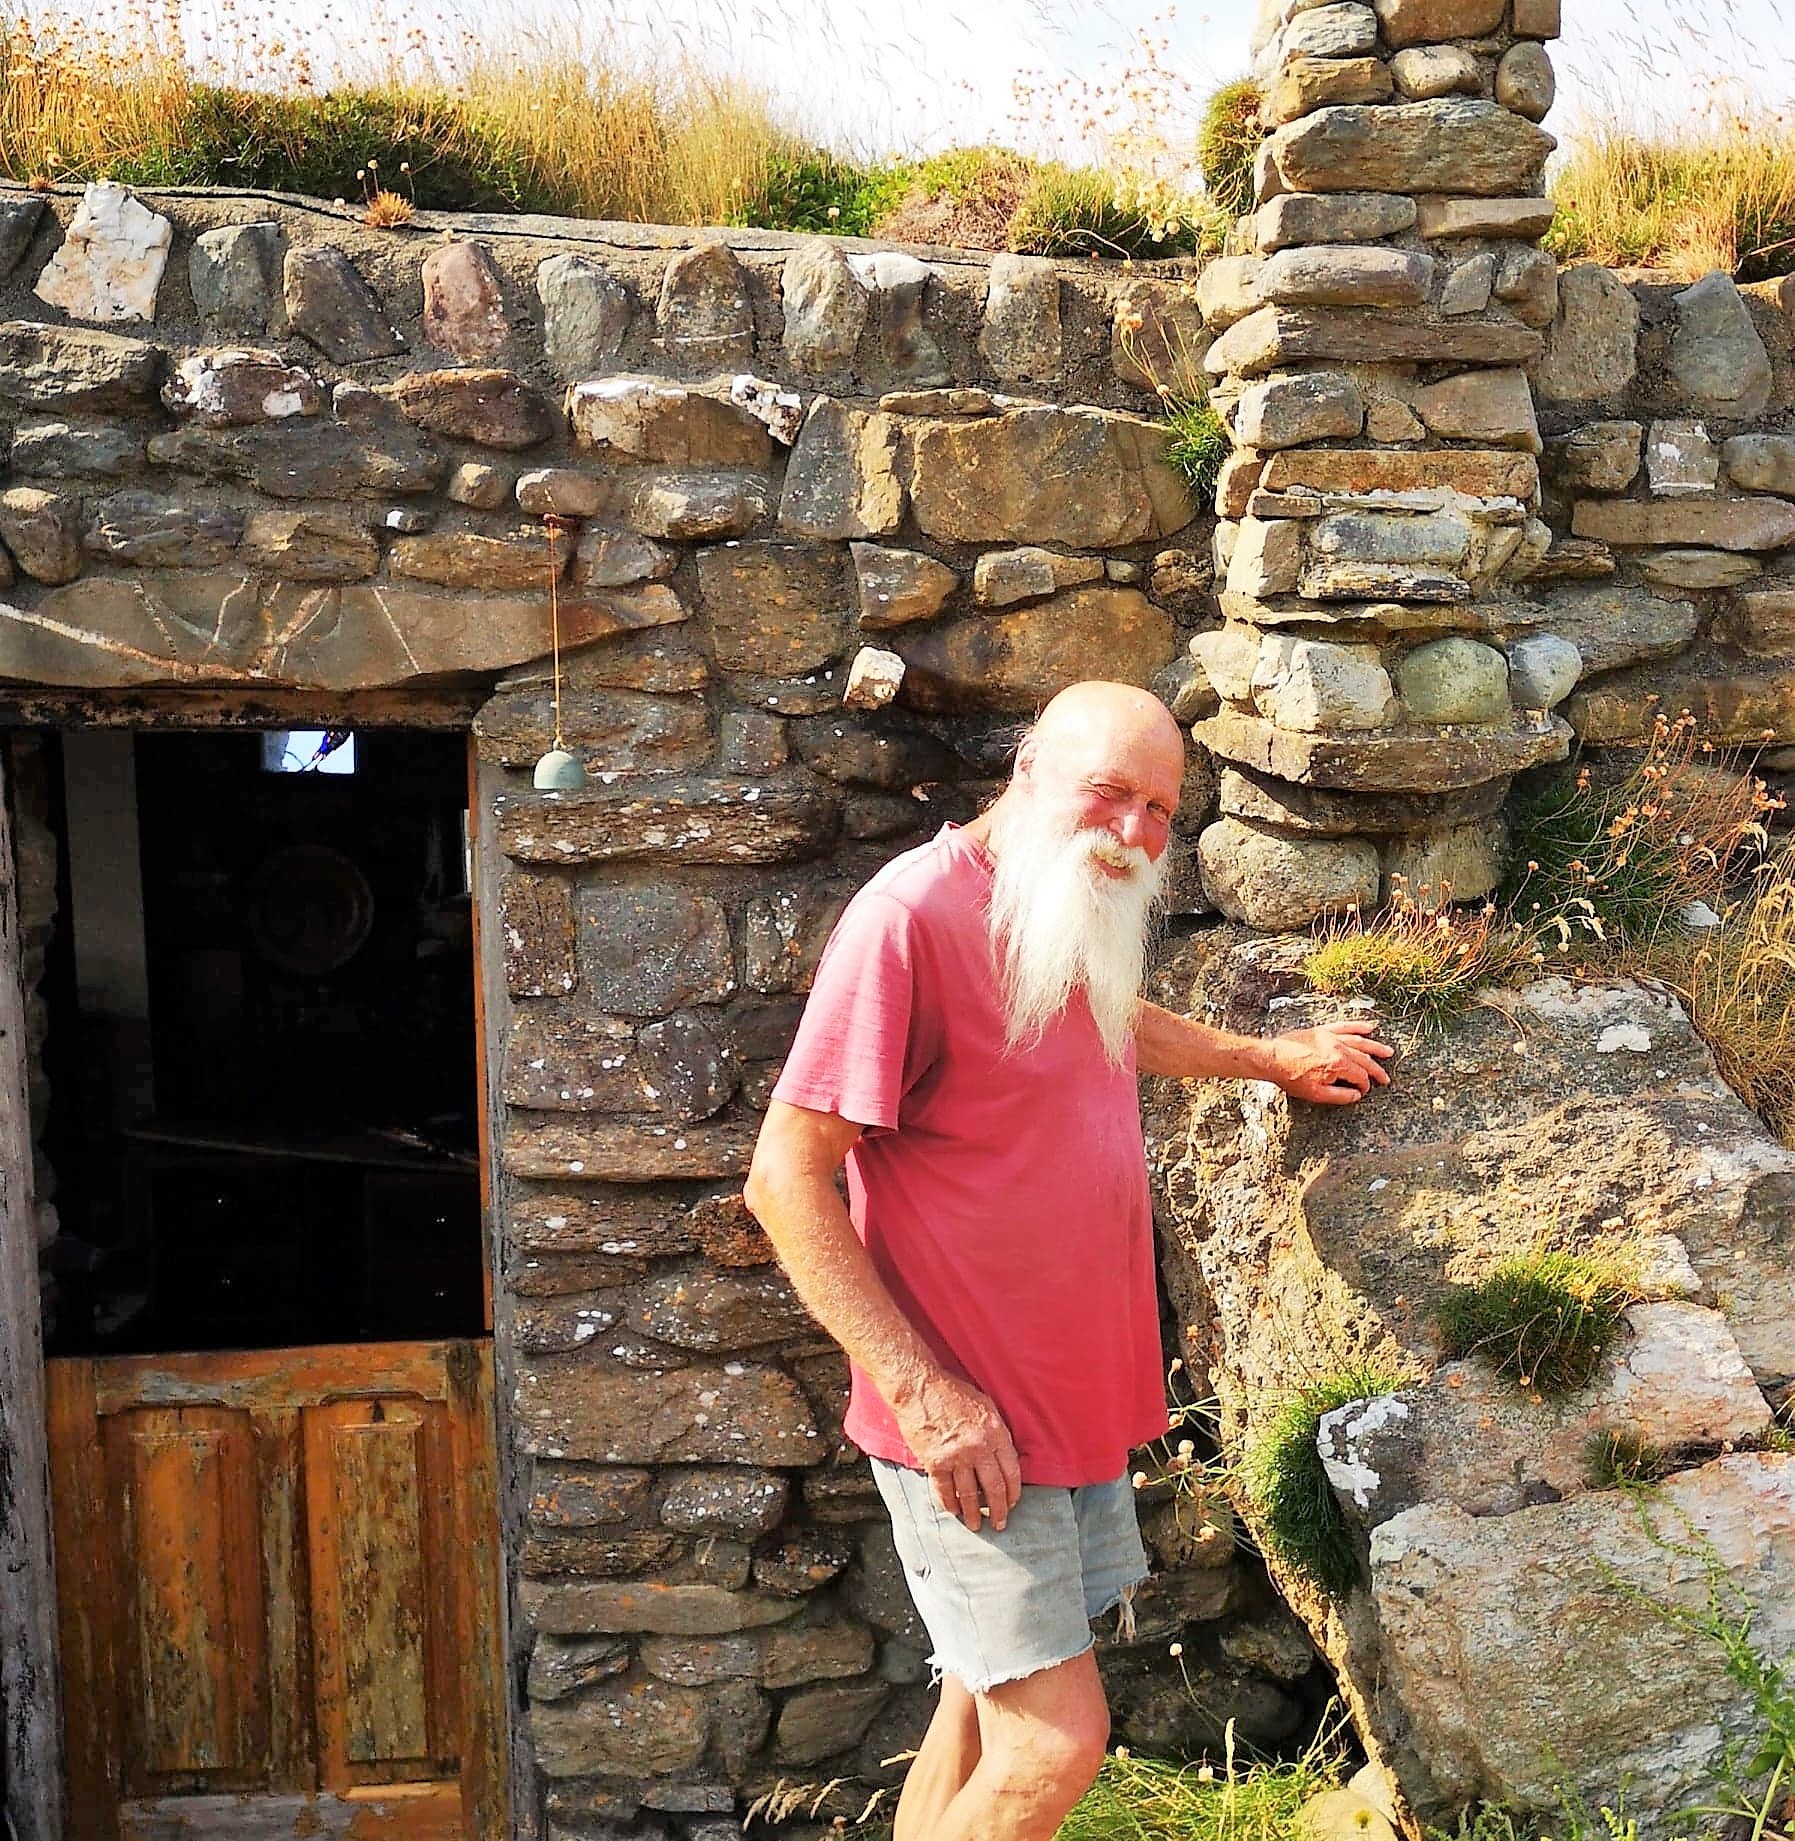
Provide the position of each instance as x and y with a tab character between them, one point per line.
1670	488
263	459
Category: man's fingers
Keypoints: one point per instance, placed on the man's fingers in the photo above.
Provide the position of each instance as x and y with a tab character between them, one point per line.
1011	1466
995	1491
966	1497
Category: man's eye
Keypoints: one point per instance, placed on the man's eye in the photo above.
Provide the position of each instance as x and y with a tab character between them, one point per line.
1161	812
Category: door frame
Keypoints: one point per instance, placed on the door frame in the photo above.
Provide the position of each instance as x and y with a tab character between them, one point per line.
33	1751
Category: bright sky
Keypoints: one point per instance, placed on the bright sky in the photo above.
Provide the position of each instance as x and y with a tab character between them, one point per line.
910	75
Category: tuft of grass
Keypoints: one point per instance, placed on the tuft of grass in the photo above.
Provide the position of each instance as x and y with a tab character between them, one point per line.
1200	443
1544	1319
1737	981
1621	1458
1080	211
1616	862
1228	139
1300	1520
1428	962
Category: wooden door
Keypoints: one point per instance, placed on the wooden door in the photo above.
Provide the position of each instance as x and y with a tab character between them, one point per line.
278	1590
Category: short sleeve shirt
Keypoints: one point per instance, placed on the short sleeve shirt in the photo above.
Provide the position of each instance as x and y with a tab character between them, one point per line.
1002	1194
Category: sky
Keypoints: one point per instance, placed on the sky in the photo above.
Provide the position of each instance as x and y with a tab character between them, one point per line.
907	76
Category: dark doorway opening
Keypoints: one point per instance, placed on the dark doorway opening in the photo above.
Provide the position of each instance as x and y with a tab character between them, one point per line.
262	1113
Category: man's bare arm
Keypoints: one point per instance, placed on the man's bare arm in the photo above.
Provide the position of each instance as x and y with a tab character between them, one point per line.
1333	1065
955	1432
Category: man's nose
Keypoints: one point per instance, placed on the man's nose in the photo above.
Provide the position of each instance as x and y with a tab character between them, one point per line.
1132	828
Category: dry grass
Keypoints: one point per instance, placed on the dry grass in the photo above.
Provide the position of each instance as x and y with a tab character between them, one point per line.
1737	981
1678	154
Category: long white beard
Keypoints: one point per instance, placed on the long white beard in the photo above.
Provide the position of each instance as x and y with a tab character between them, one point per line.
1060	924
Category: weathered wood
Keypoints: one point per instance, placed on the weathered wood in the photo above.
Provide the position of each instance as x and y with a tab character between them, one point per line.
404	1812
85	1603
31	1760
284	1580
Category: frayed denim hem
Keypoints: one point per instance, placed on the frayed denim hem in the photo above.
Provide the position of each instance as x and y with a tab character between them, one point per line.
984	1685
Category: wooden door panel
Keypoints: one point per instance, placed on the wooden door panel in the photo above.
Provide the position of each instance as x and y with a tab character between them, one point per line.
275	1596
185	1483
382	1602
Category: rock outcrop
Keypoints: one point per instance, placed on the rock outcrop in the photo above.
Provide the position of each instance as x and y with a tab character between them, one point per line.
1515	1634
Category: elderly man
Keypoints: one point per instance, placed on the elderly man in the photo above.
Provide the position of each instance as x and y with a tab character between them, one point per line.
970	1049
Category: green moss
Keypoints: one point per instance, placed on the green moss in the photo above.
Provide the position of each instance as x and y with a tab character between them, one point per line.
1299	1518
1545	1320
1228	143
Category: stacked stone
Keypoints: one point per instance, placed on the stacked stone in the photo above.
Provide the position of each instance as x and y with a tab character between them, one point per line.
1677	505
1380	684
322	470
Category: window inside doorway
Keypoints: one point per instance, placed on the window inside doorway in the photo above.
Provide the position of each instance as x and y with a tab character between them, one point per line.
262	1108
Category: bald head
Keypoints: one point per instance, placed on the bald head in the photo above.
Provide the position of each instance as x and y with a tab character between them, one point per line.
1110	720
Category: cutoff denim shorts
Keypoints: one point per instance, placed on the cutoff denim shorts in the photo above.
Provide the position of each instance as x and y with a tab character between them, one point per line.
1002	1606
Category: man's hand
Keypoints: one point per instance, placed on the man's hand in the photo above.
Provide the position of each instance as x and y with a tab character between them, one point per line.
961	1441
1333	1065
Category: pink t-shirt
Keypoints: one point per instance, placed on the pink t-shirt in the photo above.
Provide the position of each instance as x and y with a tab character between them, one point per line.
1003	1197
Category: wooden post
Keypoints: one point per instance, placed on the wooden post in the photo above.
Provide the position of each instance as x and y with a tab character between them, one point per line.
30	1685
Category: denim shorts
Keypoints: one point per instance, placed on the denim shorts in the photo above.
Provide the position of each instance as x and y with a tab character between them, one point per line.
1002	1606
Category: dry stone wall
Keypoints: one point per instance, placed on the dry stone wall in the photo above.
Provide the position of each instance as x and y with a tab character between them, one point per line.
1669	470
263	458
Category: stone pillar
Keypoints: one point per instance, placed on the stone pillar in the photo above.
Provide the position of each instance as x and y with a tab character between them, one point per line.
1379	676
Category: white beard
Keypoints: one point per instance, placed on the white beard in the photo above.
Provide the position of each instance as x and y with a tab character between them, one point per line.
1059	924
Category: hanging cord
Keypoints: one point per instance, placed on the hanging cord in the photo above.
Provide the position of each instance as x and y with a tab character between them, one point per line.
555	524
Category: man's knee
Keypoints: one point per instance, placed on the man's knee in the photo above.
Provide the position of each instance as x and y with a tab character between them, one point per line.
1054	1732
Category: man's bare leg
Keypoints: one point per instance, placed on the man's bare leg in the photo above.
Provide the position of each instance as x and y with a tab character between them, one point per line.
938	1773
1041	1743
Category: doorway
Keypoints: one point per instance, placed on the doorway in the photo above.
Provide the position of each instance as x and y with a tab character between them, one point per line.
269	1382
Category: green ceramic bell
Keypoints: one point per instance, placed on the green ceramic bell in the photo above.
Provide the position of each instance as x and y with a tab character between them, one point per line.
560	771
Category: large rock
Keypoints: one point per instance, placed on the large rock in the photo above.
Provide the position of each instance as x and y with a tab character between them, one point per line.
58	367
1276	882
842	480
1592	349
898	586
691	821
1452	144
650	419
306	458
1508	1632
110	265
1015	661
1717	359
826	307
1493	407
1395	761
1346	276
566	1406
704	320
494	408
1613	626
1296	218
776	609
1704	523
586	314
1020	339
1417	22
1086	478
1272	336
645	1728
330	305
227	389
464	301
234	275
1592	1591
1310	406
